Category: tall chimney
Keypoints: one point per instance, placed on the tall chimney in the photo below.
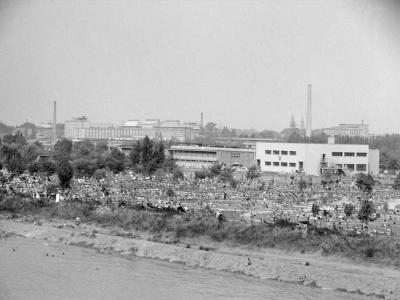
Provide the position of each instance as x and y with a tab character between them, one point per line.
54	122
308	117
201	120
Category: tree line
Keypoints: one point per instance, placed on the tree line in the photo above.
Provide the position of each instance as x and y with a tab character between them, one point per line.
83	158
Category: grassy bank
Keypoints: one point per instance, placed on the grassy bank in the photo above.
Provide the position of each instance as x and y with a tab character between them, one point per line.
282	235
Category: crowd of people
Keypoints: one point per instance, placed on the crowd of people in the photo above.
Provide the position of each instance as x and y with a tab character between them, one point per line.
256	200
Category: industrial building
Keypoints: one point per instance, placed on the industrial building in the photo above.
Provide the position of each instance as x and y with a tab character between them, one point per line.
197	157
351	130
80	128
313	159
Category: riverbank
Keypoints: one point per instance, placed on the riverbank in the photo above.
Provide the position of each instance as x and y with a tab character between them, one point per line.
314	270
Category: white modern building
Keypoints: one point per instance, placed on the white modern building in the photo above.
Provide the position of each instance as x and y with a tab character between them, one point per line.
314	158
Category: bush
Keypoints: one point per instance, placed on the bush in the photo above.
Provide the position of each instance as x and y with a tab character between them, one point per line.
348	209
34	167
177	174
365	182
315	209
202	174
366	211
65	173
100	174
252	173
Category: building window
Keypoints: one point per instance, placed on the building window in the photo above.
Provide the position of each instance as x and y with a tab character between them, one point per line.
276	164
350	167
338	165
292	152
284	164
283	152
361	168
349	154
293	165
235	155
337	153
268	151
267	163
276	152
362	154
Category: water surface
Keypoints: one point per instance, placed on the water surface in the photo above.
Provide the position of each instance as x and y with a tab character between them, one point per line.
39	270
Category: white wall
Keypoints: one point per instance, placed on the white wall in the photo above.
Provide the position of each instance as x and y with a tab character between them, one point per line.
310	154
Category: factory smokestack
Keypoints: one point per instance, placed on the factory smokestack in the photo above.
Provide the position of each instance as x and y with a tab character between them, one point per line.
201	120
309	112
54	122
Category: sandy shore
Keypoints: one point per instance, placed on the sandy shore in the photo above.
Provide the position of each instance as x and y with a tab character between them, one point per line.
322	272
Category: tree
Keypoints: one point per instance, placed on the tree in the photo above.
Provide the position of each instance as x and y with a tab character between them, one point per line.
147	150
252	173
115	161
11	157
48	167
84	166
315	209
177	174
215	170
34	167
135	154
83	148
366	211
302	183
101	147
348	209
365	182
65	173
30	152
62	150
17	138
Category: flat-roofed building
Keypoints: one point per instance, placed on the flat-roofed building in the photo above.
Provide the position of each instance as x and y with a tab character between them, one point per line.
348	130
312	159
80	128
198	157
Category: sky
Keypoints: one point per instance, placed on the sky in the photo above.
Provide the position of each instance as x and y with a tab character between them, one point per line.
245	64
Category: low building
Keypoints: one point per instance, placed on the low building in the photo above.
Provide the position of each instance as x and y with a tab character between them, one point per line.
313	159
197	157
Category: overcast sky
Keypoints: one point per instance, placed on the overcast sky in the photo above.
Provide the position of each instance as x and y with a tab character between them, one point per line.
245	64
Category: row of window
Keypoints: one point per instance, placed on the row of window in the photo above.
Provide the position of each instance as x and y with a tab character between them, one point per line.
359	154
282	164
235	154
277	152
352	167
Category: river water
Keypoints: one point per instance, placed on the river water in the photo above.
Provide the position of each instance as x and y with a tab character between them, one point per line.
40	270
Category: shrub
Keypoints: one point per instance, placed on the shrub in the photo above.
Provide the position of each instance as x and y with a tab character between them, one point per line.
348	209
315	209
177	174
65	173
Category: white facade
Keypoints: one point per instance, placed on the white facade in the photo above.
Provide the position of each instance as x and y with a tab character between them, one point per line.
349	130
312	158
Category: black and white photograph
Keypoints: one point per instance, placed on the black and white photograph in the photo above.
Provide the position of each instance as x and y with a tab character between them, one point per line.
199	149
